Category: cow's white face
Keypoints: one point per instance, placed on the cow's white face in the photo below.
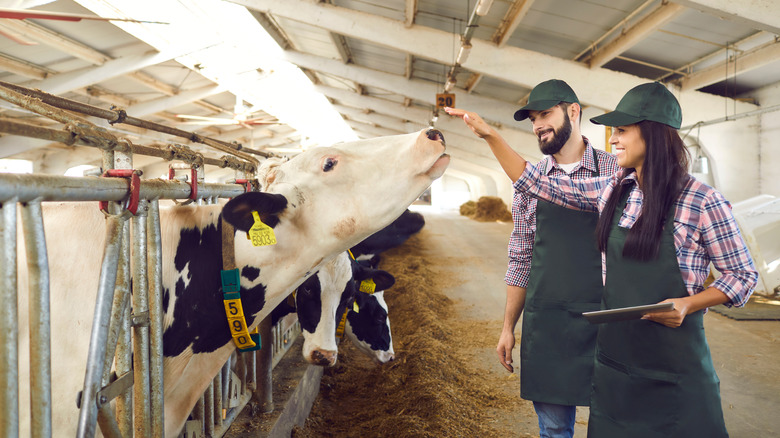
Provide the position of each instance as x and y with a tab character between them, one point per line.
342	194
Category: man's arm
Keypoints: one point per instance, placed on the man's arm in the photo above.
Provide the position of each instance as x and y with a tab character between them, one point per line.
515	301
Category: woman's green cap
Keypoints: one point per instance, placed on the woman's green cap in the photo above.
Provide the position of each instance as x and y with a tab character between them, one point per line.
650	101
545	96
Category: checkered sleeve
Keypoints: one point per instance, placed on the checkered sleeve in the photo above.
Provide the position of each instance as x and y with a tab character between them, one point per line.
521	240
727	250
577	194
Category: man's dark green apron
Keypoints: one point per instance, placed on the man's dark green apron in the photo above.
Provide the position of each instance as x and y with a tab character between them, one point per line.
557	343
651	380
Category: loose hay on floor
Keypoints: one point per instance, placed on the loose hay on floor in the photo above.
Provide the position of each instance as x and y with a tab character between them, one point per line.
487	209
432	389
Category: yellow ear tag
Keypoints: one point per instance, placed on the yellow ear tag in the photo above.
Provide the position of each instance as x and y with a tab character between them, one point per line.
368	286
355	307
261	234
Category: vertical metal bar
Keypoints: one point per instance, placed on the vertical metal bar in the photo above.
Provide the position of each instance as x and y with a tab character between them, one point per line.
154	247
107	422
208	418
40	320
217	384
97	341
9	323
264	392
226	383
142	419
200	411
124	348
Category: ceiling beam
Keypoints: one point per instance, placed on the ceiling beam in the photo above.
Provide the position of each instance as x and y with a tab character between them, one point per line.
65	82
55	40
511	20
409	12
154	84
734	65
23	68
759	14
511	64
522	142
636	33
424	91
163	103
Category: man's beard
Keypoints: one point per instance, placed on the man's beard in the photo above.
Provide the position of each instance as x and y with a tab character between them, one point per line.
559	138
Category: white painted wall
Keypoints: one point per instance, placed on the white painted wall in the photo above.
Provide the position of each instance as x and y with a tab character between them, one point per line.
769	167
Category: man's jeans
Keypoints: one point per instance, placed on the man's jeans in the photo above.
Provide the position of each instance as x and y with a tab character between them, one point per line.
555	421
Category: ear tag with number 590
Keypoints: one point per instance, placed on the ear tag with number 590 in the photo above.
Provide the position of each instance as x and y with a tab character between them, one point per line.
261	234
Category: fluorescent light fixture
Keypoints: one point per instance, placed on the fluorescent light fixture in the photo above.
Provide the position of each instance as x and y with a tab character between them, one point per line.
483	7
463	54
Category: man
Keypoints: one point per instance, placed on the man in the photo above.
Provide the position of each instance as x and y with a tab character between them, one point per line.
554	271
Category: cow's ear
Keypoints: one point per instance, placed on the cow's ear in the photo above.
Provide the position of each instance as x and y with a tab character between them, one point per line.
238	211
383	279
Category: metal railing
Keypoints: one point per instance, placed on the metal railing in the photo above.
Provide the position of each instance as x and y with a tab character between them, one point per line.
124	363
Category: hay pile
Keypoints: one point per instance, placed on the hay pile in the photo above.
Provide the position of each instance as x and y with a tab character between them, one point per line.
487	209
433	388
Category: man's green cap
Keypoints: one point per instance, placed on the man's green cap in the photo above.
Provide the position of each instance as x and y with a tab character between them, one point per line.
650	101
545	96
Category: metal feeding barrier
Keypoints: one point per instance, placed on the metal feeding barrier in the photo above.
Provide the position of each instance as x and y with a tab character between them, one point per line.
123	384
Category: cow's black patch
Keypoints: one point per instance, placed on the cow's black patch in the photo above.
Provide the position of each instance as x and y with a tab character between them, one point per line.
166	298
370	323
250	273
392	235
308	303
198	316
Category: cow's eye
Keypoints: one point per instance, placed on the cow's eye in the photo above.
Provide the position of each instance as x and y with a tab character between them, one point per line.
329	164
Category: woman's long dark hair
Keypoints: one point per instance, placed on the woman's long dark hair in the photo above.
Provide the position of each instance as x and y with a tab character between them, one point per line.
664	174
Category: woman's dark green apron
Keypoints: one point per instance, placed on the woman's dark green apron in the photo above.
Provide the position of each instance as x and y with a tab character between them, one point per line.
651	380
557	343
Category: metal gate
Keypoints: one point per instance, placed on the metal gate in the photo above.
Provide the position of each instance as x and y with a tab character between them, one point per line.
124	334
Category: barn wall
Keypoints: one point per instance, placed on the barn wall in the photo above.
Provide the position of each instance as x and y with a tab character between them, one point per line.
769	167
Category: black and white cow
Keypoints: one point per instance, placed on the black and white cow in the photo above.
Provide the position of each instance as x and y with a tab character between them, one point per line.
319	203
322	300
393	235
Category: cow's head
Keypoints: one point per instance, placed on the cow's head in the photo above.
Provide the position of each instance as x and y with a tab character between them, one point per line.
340	195
320	302
369	327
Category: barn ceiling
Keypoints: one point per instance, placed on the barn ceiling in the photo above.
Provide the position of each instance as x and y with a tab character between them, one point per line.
281	76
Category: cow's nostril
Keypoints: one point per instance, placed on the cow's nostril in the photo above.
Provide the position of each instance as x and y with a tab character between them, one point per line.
435	135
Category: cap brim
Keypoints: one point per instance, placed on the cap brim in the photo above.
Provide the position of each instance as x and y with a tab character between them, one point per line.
616	118
538	105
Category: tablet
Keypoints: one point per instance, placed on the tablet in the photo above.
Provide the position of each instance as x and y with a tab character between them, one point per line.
625	313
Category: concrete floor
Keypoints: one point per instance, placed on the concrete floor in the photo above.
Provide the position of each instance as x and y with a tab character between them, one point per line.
746	354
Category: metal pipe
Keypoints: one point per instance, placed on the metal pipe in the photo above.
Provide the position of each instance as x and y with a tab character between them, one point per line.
141	408
89	404
118	116
124	347
264	392
28	187
40	320
757	112
208	408
154	246
9	323
217	384
107	422
172	152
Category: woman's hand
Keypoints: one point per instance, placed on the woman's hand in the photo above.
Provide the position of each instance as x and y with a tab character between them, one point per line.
473	121
671	318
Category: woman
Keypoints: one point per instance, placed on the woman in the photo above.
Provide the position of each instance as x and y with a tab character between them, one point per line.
658	231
